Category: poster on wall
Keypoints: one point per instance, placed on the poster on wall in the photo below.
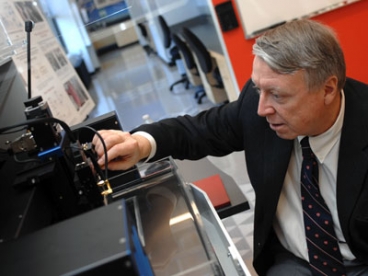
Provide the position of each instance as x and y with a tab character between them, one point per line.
52	75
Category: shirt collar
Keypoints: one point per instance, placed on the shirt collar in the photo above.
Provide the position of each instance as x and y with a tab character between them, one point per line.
322	144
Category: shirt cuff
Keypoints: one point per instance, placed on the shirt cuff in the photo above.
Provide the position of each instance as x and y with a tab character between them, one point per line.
152	141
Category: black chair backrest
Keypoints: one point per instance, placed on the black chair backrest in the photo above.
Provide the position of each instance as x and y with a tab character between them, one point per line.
201	52
143	30
165	31
187	54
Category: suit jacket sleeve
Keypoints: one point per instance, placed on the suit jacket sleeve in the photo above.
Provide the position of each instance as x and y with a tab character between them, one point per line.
217	131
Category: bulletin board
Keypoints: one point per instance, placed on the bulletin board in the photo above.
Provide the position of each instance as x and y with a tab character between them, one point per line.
260	15
53	76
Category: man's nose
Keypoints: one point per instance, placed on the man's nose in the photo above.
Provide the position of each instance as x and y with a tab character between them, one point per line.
264	106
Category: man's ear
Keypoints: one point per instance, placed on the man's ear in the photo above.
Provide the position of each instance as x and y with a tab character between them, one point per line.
330	90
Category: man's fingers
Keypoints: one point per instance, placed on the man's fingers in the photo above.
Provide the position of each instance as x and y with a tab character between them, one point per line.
118	153
122	149
110	139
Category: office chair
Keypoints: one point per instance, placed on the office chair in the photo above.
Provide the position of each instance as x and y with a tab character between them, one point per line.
209	72
174	52
147	47
190	66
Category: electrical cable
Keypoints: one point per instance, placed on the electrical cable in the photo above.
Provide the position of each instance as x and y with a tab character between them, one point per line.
13	131
103	145
66	129
40	121
16	159
105	195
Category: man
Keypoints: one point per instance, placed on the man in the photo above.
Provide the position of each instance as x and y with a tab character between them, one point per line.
298	89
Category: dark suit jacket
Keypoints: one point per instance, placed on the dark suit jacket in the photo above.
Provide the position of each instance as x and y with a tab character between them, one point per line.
236	126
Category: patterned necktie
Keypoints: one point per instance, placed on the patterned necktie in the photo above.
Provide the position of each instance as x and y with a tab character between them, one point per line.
323	249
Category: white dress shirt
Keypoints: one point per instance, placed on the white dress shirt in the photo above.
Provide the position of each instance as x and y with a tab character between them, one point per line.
152	141
289	223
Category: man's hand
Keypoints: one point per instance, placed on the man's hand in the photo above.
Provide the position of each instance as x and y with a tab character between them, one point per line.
123	149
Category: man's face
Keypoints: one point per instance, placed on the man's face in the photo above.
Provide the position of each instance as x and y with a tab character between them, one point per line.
286	102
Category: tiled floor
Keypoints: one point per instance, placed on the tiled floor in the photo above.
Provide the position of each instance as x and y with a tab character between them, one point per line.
135	84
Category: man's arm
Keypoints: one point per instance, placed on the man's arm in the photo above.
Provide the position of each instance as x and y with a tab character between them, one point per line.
217	131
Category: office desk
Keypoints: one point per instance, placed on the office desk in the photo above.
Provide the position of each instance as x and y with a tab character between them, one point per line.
226	75
121	34
204	28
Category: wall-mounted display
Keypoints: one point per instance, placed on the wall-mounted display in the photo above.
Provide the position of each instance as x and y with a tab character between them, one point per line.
258	16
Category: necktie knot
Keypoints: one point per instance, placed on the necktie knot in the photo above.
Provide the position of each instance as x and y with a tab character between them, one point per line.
306	149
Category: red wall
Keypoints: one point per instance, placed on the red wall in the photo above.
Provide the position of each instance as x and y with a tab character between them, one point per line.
349	22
